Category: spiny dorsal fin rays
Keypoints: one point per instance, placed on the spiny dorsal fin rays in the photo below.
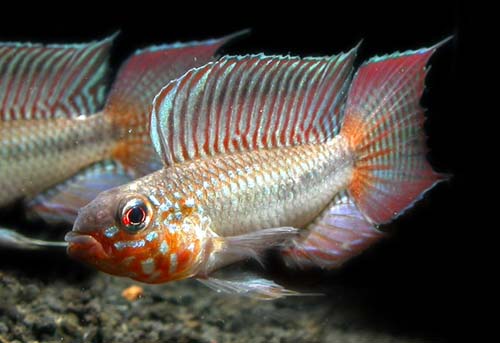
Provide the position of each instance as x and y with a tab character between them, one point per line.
144	74
139	80
242	103
52	81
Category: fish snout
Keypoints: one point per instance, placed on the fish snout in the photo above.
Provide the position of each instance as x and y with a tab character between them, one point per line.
94	216
83	243
85	222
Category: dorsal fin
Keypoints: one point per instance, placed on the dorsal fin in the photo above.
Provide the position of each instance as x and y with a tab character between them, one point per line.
144	74
140	78
242	103
52	81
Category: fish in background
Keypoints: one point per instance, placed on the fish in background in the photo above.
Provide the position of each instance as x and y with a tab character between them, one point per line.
62	139
266	152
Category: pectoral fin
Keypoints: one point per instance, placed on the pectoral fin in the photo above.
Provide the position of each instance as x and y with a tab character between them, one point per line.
228	250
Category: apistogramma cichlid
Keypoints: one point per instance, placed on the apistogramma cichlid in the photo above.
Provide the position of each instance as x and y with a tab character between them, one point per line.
265	152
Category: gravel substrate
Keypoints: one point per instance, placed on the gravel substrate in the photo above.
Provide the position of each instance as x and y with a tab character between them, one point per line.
45	297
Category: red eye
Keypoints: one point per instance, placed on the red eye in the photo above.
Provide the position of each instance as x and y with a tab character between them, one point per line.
133	215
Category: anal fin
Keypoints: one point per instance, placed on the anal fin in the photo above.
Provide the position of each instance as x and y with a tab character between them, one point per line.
338	234
61	203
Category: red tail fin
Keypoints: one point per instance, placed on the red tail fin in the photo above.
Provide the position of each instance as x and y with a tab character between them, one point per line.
383	122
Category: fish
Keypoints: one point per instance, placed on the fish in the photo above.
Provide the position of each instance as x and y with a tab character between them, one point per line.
298	155
64	138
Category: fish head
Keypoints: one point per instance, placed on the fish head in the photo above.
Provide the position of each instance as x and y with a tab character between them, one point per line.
129	232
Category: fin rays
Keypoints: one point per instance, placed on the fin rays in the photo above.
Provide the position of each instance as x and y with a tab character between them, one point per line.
52	81
384	123
250	102
138	81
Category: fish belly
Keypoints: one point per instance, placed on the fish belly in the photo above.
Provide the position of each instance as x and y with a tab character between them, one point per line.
262	189
37	154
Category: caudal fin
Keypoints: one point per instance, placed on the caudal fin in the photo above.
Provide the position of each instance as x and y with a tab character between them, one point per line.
384	125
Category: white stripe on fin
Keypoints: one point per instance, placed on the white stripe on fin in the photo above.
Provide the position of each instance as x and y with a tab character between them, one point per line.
241	103
52	81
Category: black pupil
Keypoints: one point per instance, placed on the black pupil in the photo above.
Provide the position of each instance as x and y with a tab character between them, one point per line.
136	215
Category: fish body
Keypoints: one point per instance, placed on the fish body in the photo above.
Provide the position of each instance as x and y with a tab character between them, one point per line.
266	152
60	148
62	141
248	191
232	195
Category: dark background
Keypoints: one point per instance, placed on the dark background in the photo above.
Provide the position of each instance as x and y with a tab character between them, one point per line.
414	279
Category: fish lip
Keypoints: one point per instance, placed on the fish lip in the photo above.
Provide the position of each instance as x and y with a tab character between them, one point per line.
79	238
81	245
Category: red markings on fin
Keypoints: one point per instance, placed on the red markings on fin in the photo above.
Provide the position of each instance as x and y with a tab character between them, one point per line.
144	74
52	81
384	124
338	234
242	103
137	83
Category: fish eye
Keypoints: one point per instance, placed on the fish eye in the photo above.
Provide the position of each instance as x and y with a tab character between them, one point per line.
133	215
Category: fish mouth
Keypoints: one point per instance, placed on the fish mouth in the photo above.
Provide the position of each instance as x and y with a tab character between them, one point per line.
84	247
